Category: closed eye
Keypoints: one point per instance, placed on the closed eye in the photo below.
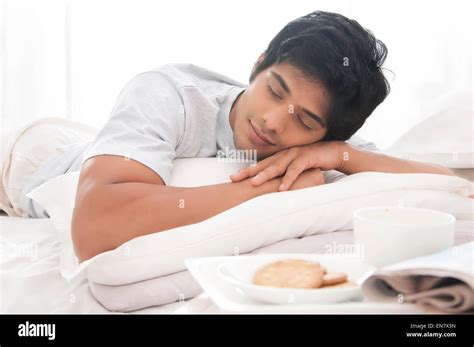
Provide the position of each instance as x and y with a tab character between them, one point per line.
275	95
302	123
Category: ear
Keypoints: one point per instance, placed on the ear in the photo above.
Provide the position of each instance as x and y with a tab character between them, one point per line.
258	62
260	58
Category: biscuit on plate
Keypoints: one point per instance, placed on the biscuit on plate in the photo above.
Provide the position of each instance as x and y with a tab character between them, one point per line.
346	284
290	273
332	278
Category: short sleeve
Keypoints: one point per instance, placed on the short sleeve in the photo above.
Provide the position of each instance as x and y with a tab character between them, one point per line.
146	124
333	175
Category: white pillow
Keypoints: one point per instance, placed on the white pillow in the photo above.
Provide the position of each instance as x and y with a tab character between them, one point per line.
58	195
445	137
262	221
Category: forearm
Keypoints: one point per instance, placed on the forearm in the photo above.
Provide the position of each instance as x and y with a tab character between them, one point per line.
117	213
358	160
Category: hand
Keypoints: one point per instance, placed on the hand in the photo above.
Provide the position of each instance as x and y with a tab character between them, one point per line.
291	162
309	178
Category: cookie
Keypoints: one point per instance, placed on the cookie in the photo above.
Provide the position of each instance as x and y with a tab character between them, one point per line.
346	284
290	273
333	278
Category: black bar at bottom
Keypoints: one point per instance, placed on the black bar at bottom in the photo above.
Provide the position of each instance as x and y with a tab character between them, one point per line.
383	330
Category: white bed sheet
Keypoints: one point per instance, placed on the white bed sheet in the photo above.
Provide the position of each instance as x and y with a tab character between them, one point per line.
30	281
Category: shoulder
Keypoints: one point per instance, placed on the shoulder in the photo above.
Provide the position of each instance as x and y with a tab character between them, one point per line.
192	75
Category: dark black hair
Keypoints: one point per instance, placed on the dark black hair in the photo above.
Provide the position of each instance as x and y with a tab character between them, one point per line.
341	55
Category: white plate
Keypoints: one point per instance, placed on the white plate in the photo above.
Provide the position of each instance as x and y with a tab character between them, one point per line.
239	271
229	298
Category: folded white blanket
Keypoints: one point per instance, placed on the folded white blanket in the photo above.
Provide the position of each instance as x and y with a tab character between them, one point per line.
182	286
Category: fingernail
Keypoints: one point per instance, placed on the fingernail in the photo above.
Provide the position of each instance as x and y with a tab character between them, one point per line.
282	187
256	177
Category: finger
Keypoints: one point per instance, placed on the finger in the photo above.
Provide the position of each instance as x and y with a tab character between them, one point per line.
259	178
239	175
244	173
292	173
277	168
265	175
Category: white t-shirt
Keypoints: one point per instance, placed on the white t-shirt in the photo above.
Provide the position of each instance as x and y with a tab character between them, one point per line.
173	111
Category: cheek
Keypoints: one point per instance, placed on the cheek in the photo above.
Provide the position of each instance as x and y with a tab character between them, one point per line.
312	137
257	100
299	137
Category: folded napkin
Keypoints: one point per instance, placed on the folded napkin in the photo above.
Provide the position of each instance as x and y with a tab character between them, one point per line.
443	281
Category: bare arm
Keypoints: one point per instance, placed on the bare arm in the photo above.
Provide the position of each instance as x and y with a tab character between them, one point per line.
118	200
329	155
358	160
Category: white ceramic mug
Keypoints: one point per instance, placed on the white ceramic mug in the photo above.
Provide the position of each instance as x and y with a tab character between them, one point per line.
389	234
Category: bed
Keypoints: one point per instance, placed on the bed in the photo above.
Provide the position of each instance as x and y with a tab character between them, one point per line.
30	281
30	249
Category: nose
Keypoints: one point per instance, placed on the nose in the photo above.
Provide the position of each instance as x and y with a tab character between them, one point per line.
276	120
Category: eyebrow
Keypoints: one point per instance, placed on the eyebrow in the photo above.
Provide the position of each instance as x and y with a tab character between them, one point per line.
287	90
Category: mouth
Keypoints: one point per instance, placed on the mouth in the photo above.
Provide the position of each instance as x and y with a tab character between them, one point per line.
256	136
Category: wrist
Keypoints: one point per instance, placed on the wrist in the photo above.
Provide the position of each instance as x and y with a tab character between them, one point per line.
252	191
342	155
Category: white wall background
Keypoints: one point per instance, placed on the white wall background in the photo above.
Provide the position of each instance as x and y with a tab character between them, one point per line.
71	58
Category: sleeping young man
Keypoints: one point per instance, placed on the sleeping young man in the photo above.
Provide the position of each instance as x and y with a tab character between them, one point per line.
309	92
